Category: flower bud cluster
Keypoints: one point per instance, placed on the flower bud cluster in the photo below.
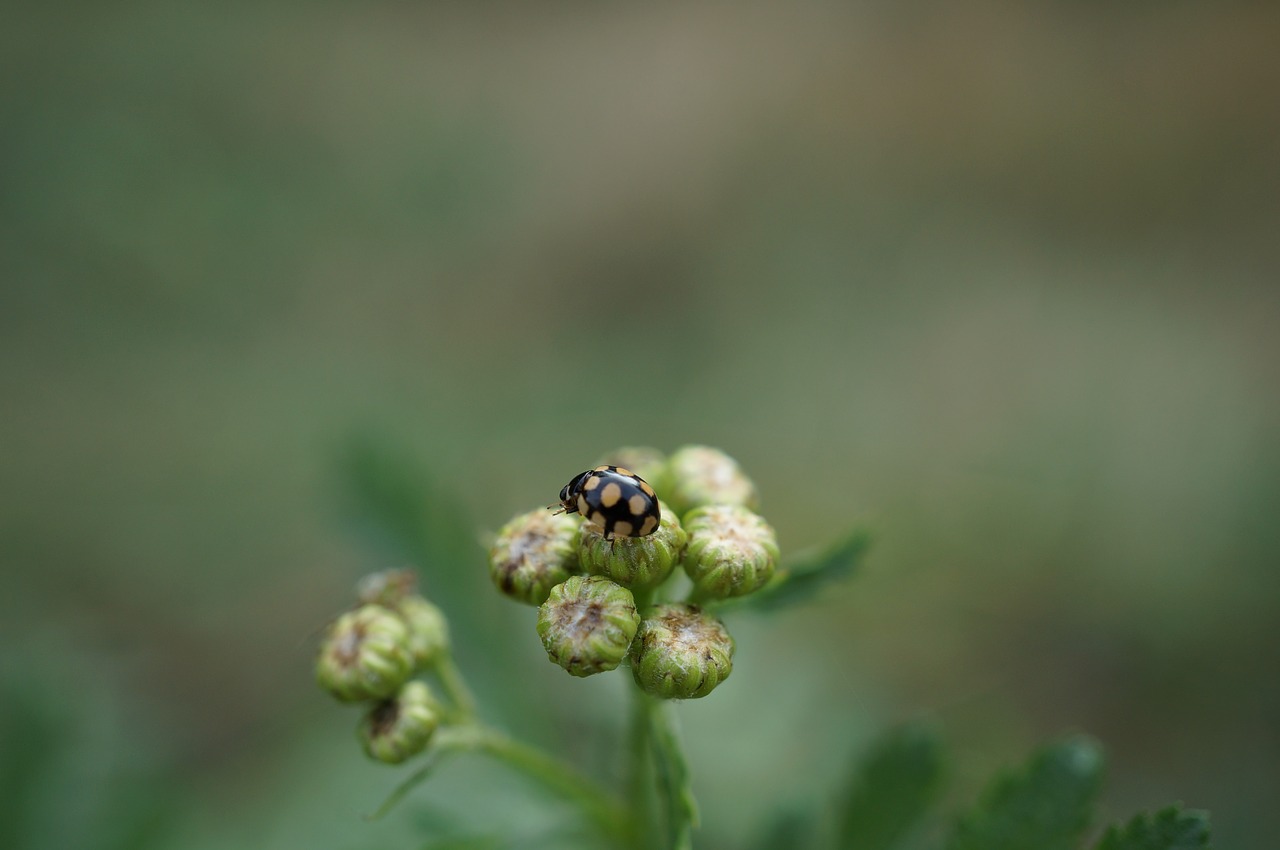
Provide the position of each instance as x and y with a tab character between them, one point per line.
369	654
594	593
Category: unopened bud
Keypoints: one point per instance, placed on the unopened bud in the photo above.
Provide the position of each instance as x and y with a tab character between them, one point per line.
398	728
635	562
387	587
587	624
705	476
533	553
732	551
428	630
649	464
680	652
365	655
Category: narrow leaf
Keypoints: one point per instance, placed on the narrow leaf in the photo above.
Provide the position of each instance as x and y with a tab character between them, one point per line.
434	759
804	578
1171	828
1047	805
891	789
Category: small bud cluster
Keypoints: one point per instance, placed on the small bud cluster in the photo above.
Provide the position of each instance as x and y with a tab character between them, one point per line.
370	654
587	586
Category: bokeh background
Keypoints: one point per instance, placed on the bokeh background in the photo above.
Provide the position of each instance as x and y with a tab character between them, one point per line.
997	281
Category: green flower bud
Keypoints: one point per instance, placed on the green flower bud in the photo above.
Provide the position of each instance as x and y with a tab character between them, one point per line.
387	587
533	553
365	655
398	591
732	551
635	562
705	476
587	624
680	652
649	464
428	630
400	727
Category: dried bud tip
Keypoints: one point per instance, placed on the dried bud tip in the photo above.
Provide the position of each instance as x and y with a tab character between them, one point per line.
387	587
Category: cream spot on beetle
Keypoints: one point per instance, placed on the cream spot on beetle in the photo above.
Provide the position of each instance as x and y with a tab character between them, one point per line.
610	495
650	523
591	483
648	491
638	503
622	470
583	507
622	528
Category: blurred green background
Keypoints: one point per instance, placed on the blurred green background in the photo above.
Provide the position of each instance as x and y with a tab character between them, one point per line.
997	281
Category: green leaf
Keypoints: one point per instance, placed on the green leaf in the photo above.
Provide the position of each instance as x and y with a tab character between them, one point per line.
1171	828
891	789
673	775
805	577
1046	806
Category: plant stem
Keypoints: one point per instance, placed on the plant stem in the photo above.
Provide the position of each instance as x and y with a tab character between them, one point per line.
602	809
472	737
556	776
466	734
456	687
673	774
640	776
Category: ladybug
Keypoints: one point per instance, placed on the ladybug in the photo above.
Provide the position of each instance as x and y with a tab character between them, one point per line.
615	500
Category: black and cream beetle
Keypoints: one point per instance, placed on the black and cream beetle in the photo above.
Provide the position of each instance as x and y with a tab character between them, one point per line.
615	500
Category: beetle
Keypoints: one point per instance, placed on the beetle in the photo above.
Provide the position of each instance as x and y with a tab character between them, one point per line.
614	500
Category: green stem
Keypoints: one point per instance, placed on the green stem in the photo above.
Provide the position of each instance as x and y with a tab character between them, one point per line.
600	808
456	688
673	774
604	811
640	776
